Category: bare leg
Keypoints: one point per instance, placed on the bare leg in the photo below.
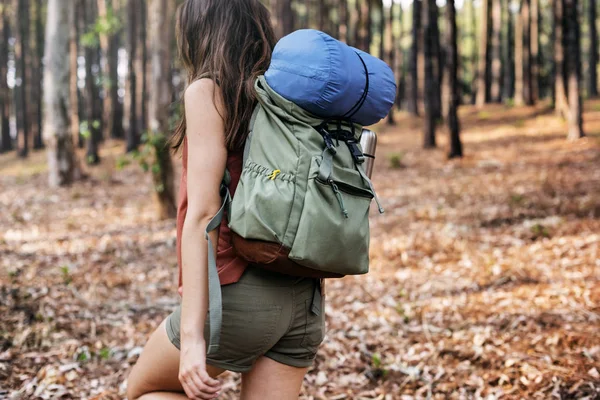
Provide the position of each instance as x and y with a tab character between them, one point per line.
155	375
270	380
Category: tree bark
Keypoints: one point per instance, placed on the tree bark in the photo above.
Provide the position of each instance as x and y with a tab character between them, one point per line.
560	94
62	162
21	8
131	100
430	78
399	57
160	98
593	51
535	50
382	27
92	157
343	31
519	61
74	15
496	84
111	125
482	69
430	18
474	59
5	95
285	23
527	76
412	105
573	69
141	68
390	43
37	75
508	52
452	82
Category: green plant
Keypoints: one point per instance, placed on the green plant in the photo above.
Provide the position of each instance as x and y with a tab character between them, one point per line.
376	360
66	275
520	123
154	147
105	353
395	160
540	230
517	199
483	115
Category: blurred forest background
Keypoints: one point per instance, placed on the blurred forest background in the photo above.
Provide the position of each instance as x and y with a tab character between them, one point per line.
484	280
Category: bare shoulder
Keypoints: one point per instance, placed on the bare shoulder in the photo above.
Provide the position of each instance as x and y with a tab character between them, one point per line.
203	94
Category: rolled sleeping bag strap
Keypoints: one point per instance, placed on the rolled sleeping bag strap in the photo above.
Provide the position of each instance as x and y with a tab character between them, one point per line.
215	301
363	98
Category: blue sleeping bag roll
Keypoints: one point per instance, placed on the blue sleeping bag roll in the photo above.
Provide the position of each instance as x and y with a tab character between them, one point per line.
330	79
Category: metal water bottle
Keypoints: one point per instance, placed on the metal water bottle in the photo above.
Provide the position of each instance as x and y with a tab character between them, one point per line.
368	142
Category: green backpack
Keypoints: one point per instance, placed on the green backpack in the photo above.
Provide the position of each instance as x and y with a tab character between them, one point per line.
301	206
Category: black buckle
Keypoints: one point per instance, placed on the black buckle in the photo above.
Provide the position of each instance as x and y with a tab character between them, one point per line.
357	154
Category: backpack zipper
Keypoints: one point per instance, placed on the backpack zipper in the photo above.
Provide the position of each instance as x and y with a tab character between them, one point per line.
339	197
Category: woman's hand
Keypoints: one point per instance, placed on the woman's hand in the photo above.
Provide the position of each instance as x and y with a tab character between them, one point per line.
196	382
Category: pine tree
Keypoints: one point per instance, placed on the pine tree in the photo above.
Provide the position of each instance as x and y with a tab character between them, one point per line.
62	161
452	81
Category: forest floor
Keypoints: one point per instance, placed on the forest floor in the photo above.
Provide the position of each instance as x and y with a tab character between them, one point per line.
485	278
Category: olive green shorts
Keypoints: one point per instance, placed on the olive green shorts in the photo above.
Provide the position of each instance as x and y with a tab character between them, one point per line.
265	314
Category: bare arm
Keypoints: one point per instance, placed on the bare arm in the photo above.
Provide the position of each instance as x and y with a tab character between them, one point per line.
207	157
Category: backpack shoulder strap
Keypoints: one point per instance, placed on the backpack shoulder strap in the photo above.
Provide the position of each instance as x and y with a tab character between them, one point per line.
215	301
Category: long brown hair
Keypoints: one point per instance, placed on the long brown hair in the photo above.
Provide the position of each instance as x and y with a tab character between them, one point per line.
230	41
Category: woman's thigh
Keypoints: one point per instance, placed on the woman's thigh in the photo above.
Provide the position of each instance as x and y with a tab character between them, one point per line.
270	380
157	369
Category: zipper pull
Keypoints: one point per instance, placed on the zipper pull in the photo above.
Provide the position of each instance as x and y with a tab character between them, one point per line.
340	199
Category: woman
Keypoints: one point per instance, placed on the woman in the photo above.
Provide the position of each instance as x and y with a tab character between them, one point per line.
268	333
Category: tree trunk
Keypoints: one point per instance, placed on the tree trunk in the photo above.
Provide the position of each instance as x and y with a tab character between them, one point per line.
535	50
573	69
285	23
519	68
496	84
593	51
323	15
62	162
390	43
74	15
482	69
412	105
21	8
160	98
430	19
141	68
382	26
5	95
111	124
367	10
131	100
35	83
452	82
343	31
527	76
92	138
508	50
356	21
430	78
399	57
560	94
474	55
